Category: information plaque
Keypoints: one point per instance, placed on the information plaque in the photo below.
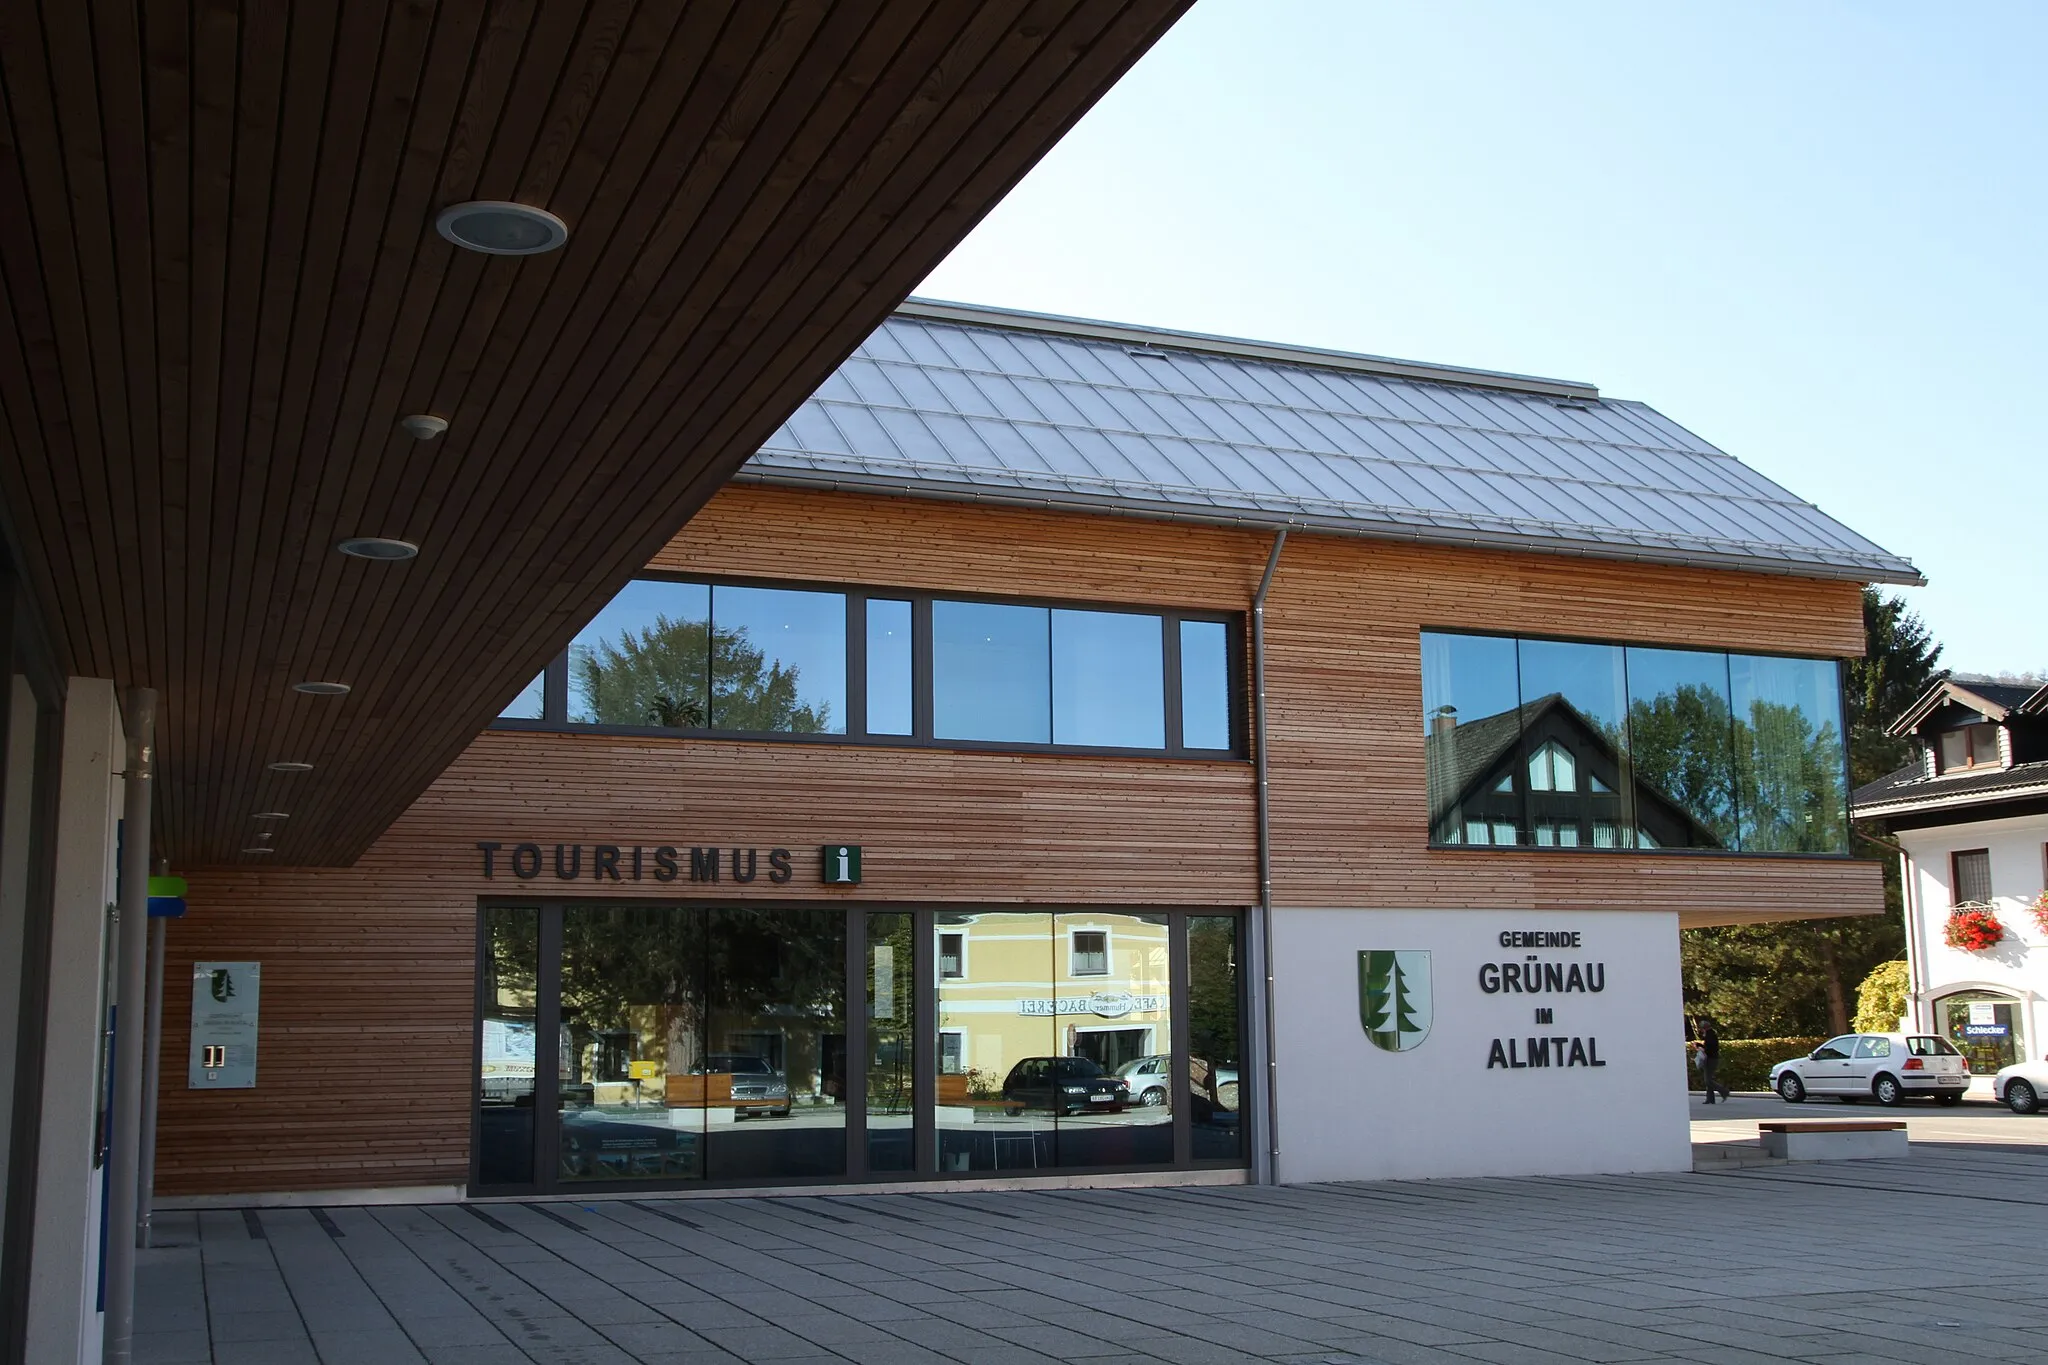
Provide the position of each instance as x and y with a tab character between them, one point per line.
225	996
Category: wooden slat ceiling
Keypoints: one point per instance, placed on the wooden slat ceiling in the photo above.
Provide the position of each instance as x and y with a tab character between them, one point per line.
221	288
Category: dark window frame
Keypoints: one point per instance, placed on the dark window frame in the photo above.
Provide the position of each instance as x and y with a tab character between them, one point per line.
1955	877
555	695
1524	828
1969	735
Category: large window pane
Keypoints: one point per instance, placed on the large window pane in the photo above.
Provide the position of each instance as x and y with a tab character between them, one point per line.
1216	1038
1681	739
1113	1003
646	659
505	1095
889	676
998	1044
635	1097
1204	685
1790	793
779	660
775	1038
991	672
530	704
1108	679
1573	766
1471	725
892	1009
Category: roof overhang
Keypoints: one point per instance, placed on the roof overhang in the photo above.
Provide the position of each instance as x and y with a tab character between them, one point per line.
1949	690
221	287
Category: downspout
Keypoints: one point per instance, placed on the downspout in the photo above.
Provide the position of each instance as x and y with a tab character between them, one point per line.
1266	1159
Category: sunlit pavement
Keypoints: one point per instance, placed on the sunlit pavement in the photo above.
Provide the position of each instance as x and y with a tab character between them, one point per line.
1835	1263
1975	1121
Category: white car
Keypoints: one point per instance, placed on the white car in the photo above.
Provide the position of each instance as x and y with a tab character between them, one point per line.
1886	1067
2021	1086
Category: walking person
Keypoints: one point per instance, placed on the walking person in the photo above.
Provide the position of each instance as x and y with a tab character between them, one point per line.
1710	1063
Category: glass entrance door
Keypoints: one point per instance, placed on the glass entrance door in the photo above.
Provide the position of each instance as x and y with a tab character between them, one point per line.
634	1044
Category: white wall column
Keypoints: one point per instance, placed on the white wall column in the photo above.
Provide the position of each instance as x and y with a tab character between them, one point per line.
63	1322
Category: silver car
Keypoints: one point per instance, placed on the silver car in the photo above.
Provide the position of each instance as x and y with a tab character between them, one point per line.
1886	1067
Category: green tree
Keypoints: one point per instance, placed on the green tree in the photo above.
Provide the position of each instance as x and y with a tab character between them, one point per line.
1900	662
1881	999
1773	980
1681	743
685	674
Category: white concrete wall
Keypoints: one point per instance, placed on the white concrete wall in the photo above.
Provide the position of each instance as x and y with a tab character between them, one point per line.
63	1322
2019	964
1352	1111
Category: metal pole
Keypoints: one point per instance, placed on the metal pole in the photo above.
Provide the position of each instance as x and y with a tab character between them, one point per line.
123	1154
152	1044
1266	1154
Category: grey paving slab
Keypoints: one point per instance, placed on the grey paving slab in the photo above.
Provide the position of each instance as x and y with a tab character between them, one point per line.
1739	1264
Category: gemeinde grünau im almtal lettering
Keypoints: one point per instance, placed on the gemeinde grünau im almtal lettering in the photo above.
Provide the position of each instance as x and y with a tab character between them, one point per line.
1533	976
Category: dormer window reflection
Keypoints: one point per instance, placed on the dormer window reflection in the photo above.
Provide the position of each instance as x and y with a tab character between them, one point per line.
1553	770
1972	746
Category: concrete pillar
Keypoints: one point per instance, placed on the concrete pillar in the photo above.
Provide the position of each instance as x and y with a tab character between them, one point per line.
63	1319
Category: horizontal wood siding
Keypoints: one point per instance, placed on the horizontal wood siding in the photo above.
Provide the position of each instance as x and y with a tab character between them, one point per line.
368	971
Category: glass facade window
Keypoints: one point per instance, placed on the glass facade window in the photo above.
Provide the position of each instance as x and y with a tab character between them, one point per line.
760	660
645	659
1560	744
508	1000
644	1044
1204	685
889	667
530	704
991	672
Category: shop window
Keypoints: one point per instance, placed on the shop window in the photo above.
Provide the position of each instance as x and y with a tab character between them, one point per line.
1972	746
1634	747
952	955
1971	871
1090	953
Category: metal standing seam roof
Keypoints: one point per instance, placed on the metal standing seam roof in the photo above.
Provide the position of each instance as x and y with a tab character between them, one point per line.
962	402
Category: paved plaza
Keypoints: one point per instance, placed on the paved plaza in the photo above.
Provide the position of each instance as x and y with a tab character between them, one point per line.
1935	1258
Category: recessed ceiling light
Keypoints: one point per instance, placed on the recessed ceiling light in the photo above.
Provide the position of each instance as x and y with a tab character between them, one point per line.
259	850
265	834
289	767
498	228
423	426
271	815
378	547
321	689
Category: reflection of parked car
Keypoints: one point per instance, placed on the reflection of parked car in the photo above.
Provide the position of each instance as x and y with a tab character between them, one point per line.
1151	1080
1065	1085
2022	1085
757	1088
1887	1066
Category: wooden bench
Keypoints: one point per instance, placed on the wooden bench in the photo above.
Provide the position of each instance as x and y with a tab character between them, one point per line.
1792	1140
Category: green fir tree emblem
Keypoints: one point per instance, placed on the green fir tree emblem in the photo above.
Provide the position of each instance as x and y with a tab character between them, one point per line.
1394	998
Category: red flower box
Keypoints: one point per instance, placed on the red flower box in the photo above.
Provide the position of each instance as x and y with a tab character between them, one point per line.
1972	928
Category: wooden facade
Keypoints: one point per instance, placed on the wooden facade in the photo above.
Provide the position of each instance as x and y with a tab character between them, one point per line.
364	1073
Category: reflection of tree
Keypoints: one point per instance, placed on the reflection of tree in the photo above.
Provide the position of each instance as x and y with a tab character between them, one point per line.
1680	742
890	1033
1789	782
659	676
674	969
1212	989
1771	772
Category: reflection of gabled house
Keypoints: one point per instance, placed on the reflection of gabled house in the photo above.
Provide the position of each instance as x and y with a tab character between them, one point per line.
1546	775
1970	815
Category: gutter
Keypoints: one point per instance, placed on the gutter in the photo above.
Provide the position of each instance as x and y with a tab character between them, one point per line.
1265	1161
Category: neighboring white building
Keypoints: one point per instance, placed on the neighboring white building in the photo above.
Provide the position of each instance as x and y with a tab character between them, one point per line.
1972	818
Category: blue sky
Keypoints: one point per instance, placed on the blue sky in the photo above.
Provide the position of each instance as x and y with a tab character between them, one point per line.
1813	233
